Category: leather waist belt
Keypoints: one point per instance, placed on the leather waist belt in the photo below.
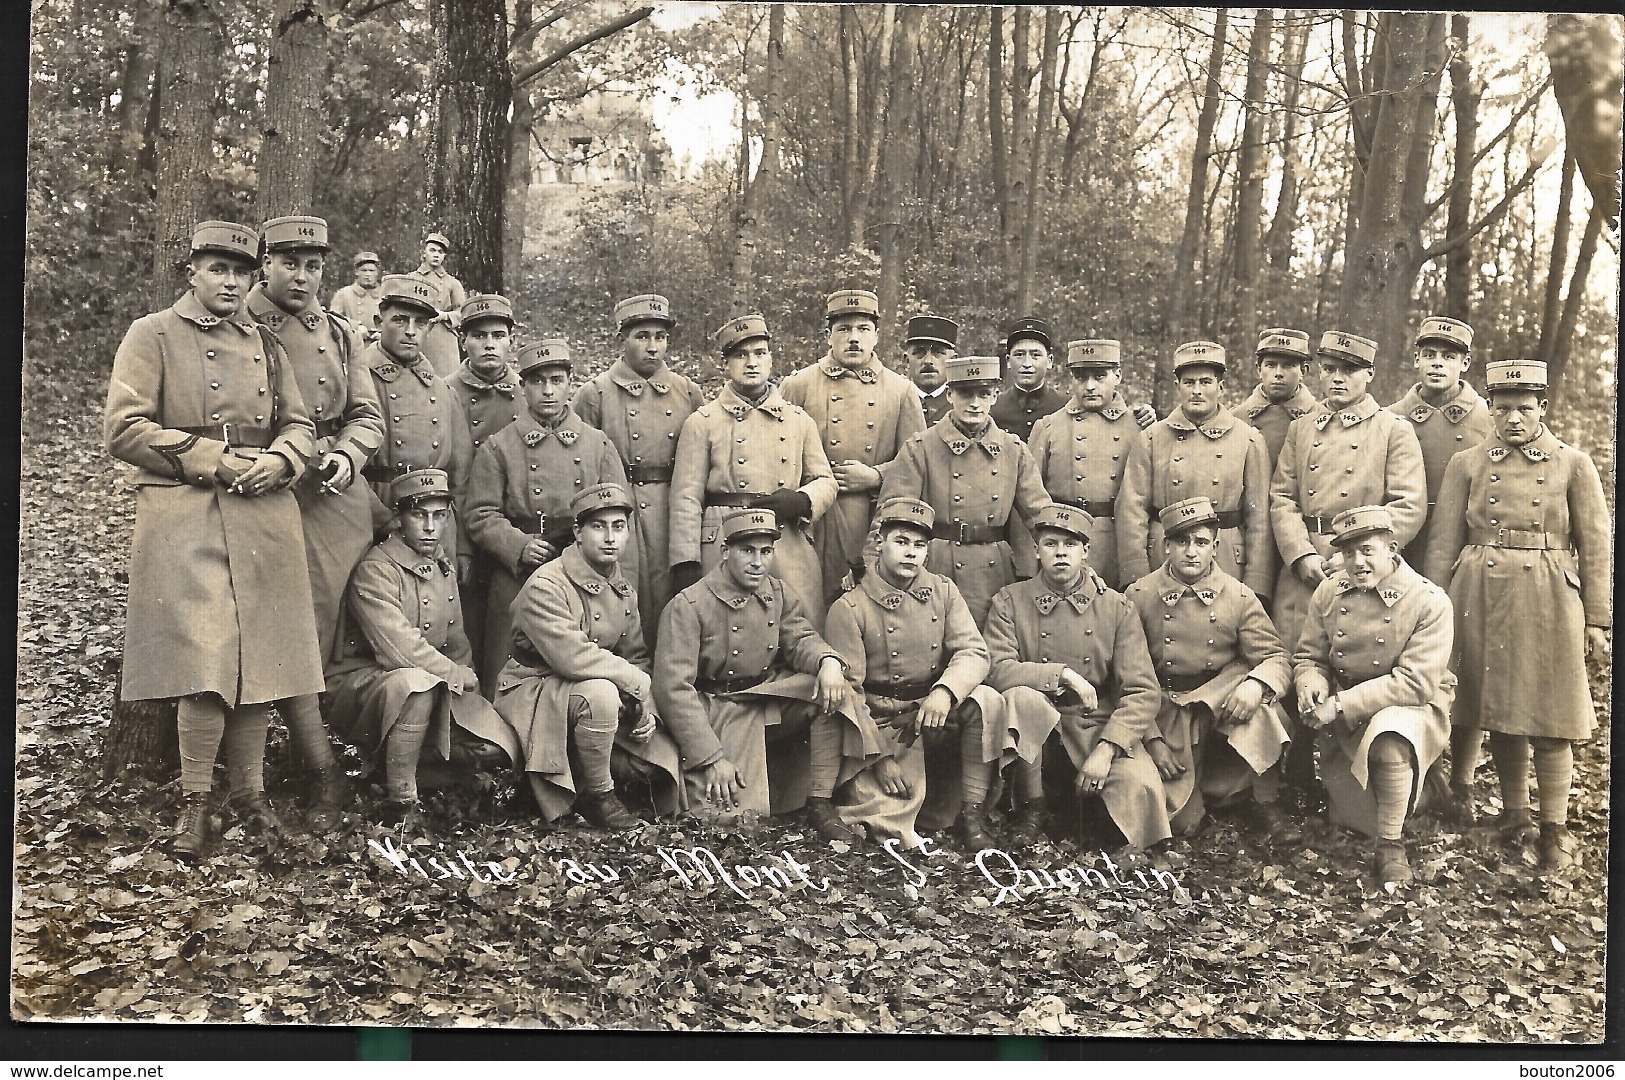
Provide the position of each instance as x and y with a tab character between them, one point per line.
730	498
379	473
962	533
648	474
238	435
559	527
715	687
1230	519
1319	525
327	429
902	691
1184	684
1100	508
1523	539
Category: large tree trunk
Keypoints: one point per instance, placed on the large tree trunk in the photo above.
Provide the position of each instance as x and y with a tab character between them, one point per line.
469	136
1021	143
191	54
879	95
743	274
1251	160
1187	289
1586	61
1037	158
1278	244
135	126
1458	264
516	191
290	135
1552	306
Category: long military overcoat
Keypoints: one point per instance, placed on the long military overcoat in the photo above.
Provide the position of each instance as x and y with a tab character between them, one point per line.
1081	455
1442	431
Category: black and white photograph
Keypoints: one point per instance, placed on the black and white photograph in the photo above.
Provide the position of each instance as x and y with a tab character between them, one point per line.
851	519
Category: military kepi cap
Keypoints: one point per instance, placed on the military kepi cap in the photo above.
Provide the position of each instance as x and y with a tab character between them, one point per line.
650	307
1351	348
1094	353
362	258
1199	354
750	523
972	370
419	484
548	352
438	238
1067	519
292	233
410	290
1515	375
852	302
1281	341
1360	521
1187	514
486	306
597	499
1447	331
740	330
227	238
1028	326
906	511
932	328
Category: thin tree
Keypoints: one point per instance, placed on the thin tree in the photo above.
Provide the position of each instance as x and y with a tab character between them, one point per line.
293	124
1187	289
1038	157
1278	243
753	190
1464	97
1251	161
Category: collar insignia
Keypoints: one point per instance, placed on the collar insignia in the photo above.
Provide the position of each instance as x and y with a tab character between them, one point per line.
1499	453
1420	414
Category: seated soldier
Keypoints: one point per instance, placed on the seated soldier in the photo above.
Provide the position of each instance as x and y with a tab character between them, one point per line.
576	685
1070	657
1221	666
402	671
740	672
913	646
1373	674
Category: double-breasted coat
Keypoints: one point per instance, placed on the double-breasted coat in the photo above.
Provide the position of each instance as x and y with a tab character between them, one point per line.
343	405
359	306
1271	420
1205	640
863	414
1081	455
1385	652
523	482
643	418
1033	634
730	665
1442	431
1522	541
1018	411
1334	460
220	596
489	405
573	625
972	484
732	450
1222	459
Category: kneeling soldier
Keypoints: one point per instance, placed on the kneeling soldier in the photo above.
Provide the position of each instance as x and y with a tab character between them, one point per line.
1221	666
1372	669
577	682
402	678
1069	653
738	657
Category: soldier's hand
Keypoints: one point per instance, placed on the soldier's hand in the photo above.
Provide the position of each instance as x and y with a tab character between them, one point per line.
722	782
683	575
536	552
644	729
230	468
268	473
1163	757
1144	415
1311	569
1309	699
471	680
1083	688
831	695
855	476
1597	642
788	505
890	778
1326	712
1241	703
935	708
1092	777
336	472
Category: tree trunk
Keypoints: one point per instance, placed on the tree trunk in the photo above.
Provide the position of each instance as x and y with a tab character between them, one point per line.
290	134
743	271
1458	264
131	121
516	190
995	118
1278	243
1021	142
879	107
1187	289
1251	161
1552	307
851	145
473	87
141	736
191	54
902	116
1037	158
1564	338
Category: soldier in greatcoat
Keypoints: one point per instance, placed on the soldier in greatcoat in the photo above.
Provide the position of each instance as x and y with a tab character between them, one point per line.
749	448
335	509
1522	539
641	404
1221	667
1029	398
1070	657
358	301
1372	670
402	680
524	480
758	702
1282	358
1082	450
1199	449
576	687
976	477
929	342
440	340
203	404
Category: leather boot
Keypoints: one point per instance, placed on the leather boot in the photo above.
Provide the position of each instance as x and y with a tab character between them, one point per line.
1555	848
1272	821
603	810
1393	865
332	796
1515	826
256	814
195	829
1030	822
972	828
821	815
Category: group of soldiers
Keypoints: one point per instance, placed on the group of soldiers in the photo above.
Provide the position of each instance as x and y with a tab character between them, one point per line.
892	601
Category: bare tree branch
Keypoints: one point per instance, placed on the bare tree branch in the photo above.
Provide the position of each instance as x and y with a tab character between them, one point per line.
575	44
522	40
1491	216
376	5
1483	151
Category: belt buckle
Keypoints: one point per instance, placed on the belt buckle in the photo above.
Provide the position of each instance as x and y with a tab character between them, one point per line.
962	527
1501	537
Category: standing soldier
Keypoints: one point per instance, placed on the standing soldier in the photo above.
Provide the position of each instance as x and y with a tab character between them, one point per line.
748	447
864	412
1448	417
1082	450
433	267
1279	398
402	678
1200	449
1218	732
201	402
930	343
975	476
524	480
424	426
334	510
358	301
641	404
1372	668
1030	397
1522	538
